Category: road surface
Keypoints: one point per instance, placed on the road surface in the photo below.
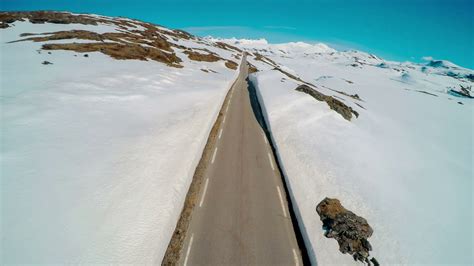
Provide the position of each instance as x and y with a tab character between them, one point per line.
242	216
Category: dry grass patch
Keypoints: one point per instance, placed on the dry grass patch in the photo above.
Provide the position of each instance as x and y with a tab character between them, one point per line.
123	45
231	64
120	51
61	35
210	57
40	17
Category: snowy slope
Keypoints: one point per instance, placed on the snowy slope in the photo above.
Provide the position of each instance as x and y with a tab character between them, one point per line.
405	163
97	153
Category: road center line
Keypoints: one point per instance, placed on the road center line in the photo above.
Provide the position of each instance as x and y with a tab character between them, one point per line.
189	249
220	133
295	256
281	201
271	162
204	192
214	155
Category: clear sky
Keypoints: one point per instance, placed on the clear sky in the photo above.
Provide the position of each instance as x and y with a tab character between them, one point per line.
394	29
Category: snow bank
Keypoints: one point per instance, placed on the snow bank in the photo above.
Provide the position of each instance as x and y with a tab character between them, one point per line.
405	164
97	154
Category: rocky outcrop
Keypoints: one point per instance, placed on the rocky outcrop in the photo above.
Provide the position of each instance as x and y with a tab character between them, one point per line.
334	104
252	68
134	40
40	17
119	51
231	64
227	47
350	231
207	57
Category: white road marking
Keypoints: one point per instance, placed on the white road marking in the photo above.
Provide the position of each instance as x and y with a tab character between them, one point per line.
223	121
189	249
227	108
204	192
281	201
295	256
214	155
220	133
271	162
265	138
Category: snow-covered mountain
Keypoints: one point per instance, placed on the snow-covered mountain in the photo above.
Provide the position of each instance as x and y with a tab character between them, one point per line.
104	120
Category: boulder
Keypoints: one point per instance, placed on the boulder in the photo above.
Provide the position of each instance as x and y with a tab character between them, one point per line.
349	230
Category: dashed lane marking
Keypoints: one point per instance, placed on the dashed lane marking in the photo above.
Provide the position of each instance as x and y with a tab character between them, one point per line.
214	155
271	161
281	202
295	256
189	249
204	193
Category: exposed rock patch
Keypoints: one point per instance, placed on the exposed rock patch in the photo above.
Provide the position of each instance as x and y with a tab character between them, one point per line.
350	231
61	35
231	64
353	96
291	76
428	93
135	39
228	47
252	68
209	57
265	59
119	51
182	34
147	44
334	104
40	17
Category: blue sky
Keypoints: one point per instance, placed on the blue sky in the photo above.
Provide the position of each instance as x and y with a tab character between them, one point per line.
394	29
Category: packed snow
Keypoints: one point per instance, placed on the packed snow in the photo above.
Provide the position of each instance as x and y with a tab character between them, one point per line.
405	164
97	154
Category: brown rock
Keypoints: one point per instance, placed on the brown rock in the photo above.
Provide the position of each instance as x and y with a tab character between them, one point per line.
334	104
231	64
209	57
252	68
349	230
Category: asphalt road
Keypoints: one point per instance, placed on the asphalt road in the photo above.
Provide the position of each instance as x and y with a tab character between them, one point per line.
242	216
